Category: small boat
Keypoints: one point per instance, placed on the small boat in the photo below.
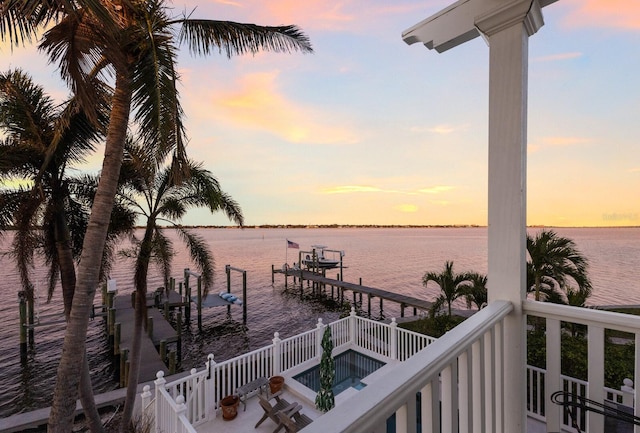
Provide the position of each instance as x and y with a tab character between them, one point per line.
316	258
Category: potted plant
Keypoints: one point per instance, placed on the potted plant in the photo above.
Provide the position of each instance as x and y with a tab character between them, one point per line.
229	406
275	383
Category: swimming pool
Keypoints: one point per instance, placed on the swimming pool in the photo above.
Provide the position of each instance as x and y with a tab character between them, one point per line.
351	367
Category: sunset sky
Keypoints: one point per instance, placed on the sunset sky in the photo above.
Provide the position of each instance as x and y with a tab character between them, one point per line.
369	130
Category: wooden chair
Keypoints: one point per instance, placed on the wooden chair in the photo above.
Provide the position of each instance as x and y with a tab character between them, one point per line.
269	409
291	419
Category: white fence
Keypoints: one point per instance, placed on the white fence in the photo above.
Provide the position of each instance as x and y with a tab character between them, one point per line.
195	398
549	381
459	380
451	378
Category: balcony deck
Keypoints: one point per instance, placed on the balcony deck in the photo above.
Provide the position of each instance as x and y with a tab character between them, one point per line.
246	420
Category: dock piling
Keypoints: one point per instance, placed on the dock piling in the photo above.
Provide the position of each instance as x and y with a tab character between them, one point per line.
199	303
116	339
22	298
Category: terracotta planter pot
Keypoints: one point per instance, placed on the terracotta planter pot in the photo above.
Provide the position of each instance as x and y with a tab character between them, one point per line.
275	383
229	407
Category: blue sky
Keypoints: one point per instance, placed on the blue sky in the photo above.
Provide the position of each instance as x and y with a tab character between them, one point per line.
369	130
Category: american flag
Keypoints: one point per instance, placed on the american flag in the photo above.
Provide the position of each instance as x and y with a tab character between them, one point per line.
292	244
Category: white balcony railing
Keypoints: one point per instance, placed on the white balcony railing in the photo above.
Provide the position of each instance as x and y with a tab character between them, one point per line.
456	385
459	371
593	388
197	395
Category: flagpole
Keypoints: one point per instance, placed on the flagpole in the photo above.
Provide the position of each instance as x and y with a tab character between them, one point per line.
286	252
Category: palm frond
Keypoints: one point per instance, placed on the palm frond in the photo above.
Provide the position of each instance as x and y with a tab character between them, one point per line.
155	95
200	254
20	20
163	254
203	36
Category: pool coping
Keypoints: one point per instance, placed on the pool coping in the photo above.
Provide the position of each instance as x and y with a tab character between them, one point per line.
301	391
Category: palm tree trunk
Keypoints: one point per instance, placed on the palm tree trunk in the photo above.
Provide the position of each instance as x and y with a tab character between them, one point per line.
65	262
73	349
68	282
88	401
142	269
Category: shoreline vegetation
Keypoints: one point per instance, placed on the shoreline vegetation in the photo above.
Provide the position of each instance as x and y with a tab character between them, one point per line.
366	226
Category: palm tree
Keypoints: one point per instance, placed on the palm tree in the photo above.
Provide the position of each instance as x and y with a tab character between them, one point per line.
156	196
554	264
42	140
475	290
451	285
138	43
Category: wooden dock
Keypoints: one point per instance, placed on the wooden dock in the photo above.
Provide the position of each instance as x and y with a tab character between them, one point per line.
357	289
161	331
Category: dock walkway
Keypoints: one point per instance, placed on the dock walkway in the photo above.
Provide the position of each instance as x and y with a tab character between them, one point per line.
371	292
151	361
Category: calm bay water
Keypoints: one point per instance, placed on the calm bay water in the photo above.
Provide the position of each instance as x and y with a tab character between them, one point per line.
390	259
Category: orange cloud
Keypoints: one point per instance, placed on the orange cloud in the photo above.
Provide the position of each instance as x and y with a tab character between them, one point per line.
546	142
258	104
407	208
619	14
436	189
360	188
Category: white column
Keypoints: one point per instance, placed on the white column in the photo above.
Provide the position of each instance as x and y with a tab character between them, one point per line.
595	375
507	31
393	340
553	382
210	388
275	361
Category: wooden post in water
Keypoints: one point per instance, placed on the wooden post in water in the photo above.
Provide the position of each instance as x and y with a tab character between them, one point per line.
172	362
163	350
179	343
116	339
22	299
199	303
31	320
112	323
187	291
127	367
227	269
124	354
150	327
244	297
273	273
369	304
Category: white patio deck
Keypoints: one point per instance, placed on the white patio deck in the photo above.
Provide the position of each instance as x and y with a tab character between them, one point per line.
246	420
293	391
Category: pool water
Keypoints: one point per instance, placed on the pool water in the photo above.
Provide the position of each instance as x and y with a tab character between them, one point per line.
351	367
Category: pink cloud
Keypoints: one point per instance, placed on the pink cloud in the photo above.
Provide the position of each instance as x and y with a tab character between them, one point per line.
619	14
257	102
